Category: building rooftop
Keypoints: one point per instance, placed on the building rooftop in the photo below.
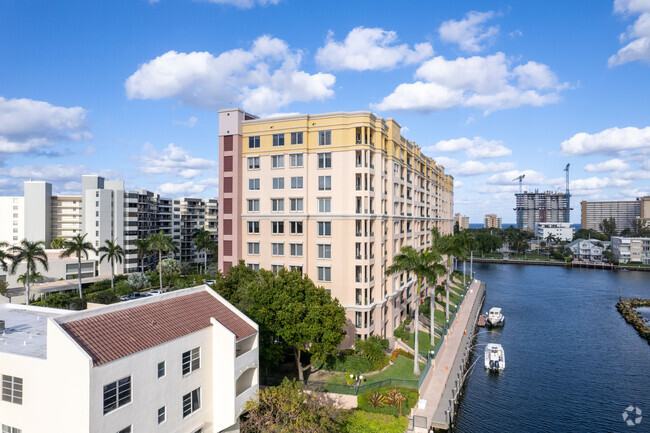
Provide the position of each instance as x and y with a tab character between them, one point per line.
118	330
26	329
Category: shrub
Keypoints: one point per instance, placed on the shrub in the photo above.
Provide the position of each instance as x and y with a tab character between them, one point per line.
139	281
407	321
390	400
105	297
402	352
351	362
57	300
98	286
123	288
401	333
78	304
425	308
372	348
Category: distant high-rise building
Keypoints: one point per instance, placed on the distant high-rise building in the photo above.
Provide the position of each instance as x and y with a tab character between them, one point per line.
540	207
462	221
491	221
623	212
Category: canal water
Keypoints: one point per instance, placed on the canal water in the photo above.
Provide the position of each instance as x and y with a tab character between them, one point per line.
572	363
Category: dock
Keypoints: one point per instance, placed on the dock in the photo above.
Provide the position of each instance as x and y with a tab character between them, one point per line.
442	385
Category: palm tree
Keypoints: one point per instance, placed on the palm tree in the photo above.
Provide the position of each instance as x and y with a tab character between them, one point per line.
201	238
436	251
161	242
78	246
112	252
449	247
143	248
32	253
4	256
466	242
421	264
34	276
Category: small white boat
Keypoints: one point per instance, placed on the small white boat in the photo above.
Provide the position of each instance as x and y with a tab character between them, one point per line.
495	357
495	318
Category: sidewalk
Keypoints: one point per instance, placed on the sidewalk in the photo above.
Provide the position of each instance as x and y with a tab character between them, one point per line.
434	384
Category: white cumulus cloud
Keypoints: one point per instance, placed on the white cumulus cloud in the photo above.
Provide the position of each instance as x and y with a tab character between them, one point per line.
26	124
488	83
637	35
56	173
476	148
262	79
608	141
469	33
189	188
610	165
173	160
474	168
369	49
532	177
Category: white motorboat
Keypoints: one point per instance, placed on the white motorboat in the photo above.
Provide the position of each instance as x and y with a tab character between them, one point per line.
495	357
495	318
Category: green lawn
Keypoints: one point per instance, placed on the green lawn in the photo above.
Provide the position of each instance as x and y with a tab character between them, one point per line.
401	369
425	341
366	422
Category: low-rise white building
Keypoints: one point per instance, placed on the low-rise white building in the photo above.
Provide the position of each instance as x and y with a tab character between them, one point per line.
561	231
185	361
631	249
587	249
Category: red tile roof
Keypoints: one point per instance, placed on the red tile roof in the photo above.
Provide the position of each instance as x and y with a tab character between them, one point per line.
116	334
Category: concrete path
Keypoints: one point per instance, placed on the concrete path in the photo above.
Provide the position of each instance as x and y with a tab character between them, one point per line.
434	384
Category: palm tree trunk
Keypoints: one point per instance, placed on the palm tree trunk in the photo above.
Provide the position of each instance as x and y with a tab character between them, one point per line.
464	264
160	266
432	306
205	260
471	263
27	287
447	302
112	277
416	361
79	274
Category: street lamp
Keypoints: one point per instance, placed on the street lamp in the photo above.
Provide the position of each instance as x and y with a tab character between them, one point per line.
357	378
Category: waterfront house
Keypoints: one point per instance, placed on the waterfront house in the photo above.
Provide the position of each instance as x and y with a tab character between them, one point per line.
587	249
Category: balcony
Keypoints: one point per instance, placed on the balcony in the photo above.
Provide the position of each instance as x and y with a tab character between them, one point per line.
243	397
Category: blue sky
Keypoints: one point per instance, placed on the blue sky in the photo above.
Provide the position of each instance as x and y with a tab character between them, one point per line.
491	89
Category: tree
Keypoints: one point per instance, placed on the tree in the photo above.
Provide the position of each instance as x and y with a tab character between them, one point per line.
161	243
3	288
288	408
608	227
32	253
437	251
4	256
466	243
78	246
169	267
112	252
639	228
142	246
448	245
34	276
456	228
202	240
422	265
139	281
589	234
58	243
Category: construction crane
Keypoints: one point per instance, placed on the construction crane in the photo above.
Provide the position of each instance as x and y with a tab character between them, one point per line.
520	179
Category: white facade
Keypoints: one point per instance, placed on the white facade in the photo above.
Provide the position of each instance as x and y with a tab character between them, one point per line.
561	231
62	387
12	219
587	249
631	249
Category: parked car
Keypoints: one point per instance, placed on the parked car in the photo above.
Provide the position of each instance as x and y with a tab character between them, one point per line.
135	295
210	282
155	292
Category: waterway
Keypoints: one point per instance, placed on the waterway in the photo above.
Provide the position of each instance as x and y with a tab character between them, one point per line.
572	362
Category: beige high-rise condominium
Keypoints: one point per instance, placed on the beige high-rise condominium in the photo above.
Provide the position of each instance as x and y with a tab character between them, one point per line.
492	221
462	221
335	196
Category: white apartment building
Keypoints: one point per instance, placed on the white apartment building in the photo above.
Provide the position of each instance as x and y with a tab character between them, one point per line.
627	250
181	362
562	231
335	196
587	249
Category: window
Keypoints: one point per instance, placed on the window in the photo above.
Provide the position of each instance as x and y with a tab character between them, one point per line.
254	205
324	205
253	184
276	269
125	430
277	204
296	250
191	360
253	266
254	227
254	142
324	251
296	205
253	248
278	139
296	182
277	227
8	429
191	402
161	415
12	389
324	160
324	138
277	161
324	228
254	163
278	183
296	138
161	369
277	249
324	183
117	394
295	159
324	273
296	227
297	268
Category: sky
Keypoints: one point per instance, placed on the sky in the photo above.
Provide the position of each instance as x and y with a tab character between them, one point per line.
130	89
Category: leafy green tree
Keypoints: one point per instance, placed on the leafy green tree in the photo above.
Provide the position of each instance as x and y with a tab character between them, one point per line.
58	243
422	265
639	228
142	245
139	281
169	267
78	246
449	246
4	256
589	234
203	242
466	243
112	252
288	408
608	227
105	297
161	243
373	348
3	288
32	253
34	277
